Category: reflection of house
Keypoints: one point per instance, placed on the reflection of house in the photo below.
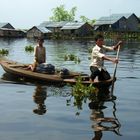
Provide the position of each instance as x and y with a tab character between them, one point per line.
7	30
79	29
118	22
38	31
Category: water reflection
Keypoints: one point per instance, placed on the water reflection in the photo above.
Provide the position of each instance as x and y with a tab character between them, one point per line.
102	123
13	79
97	106
128	76
39	98
7	41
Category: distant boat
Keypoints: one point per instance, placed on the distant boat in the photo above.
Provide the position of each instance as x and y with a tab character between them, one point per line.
19	70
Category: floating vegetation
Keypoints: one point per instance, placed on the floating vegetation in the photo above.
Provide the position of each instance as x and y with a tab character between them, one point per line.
81	93
29	48
4	52
90	50
72	57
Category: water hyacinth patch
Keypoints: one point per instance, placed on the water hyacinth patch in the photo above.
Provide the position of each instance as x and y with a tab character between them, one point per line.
72	57
81	93
4	52
29	48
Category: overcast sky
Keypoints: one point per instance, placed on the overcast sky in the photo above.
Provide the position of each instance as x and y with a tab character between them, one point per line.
27	13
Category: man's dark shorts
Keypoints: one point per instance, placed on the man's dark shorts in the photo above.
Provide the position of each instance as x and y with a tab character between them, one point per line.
102	75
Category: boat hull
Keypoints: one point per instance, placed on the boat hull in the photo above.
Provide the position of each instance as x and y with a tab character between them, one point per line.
18	70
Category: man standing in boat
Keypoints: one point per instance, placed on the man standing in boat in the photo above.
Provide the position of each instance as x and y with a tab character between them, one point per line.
98	56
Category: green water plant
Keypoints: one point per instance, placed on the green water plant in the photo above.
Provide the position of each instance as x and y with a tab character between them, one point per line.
90	50
4	52
81	93
29	48
72	57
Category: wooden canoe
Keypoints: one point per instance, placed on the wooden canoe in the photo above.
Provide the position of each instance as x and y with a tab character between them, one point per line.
18	70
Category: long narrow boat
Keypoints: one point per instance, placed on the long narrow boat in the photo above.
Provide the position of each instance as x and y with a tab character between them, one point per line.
19	70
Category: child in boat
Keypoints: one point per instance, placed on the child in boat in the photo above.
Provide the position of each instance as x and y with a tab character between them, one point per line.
98	56
39	55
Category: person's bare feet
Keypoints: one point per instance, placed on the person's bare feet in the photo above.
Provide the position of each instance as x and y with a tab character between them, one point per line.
91	80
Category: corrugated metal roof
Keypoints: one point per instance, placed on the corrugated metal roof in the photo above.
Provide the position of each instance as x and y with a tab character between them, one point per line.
43	29
111	19
72	25
52	24
7	29
105	20
117	16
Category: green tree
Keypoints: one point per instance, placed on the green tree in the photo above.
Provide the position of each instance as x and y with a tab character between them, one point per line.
85	19
61	14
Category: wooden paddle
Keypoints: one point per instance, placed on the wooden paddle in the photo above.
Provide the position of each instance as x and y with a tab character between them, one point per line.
114	74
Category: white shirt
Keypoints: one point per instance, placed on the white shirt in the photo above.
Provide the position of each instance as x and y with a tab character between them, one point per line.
97	56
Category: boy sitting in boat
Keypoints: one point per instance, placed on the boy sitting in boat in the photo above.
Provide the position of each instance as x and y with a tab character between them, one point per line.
98	56
39	55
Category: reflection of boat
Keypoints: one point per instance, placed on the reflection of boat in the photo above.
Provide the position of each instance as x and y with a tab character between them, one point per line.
19	70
